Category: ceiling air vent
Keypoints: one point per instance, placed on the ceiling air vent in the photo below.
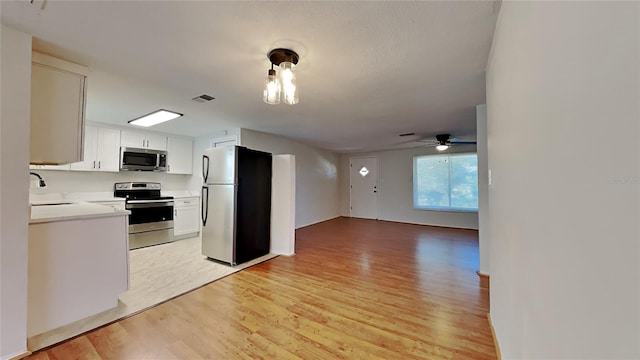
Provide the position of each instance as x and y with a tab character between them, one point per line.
407	134
203	98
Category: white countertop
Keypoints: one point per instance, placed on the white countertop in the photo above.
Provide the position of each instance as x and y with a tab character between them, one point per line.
93	196
101	196
73	211
74	197
180	194
79	205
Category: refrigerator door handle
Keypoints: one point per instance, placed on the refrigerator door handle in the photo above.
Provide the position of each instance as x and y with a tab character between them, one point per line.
204	212
205	171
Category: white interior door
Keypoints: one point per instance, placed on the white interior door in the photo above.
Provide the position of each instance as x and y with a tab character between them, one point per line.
364	187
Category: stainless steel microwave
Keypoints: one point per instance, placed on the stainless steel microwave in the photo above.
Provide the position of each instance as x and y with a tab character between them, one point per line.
142	159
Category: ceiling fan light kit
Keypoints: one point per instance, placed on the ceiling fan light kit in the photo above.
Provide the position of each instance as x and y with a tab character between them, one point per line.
443	142
282	88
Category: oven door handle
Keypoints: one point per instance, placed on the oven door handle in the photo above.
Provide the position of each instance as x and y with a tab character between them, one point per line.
204	209
170	202
147	205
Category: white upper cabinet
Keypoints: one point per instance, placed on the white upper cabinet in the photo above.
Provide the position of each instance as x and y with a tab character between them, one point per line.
58	96
141	140
179	155
101	150
50	167
108	150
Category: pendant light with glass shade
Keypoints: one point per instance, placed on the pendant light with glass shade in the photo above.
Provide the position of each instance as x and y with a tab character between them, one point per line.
284	87
271	88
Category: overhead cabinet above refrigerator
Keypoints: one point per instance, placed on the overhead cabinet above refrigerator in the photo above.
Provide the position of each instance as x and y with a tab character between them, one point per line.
236	204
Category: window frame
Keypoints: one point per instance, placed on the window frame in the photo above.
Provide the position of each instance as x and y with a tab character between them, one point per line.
440	208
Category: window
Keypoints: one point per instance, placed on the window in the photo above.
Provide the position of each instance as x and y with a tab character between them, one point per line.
446	182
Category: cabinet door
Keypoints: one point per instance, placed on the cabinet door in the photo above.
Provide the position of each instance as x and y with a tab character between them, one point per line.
133	139
141	140
156	142
180	155
90	144
186	220
57	115
108	150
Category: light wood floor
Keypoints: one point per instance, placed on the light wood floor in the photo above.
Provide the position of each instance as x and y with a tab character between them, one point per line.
157	273
355	289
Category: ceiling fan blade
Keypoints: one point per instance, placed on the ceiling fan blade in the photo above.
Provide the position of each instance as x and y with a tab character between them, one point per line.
464	142
427	142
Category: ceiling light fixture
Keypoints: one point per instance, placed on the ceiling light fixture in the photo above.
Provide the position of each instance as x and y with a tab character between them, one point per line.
154	118
283	88
443	142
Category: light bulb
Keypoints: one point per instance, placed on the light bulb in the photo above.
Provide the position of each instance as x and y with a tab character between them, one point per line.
288	81
442	147
271	94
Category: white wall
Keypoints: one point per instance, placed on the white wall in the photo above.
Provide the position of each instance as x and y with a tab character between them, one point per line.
83	181
562	101
316	171
204	142
395	189
484	237
283	205
316	175
14	189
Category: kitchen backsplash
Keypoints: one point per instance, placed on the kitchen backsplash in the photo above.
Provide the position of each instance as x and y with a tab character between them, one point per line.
75	181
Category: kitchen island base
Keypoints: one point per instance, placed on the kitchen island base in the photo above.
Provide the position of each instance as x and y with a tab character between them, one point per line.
77	268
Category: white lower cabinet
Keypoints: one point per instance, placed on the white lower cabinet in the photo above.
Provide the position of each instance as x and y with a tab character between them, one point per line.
77	268
186	217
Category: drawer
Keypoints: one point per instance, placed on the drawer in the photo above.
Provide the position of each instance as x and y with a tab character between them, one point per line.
184	202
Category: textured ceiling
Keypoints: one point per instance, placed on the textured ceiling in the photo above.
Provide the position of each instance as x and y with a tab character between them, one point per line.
368	71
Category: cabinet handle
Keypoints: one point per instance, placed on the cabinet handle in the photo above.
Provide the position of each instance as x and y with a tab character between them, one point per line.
175	212
99	164
168	167
143	143
94	164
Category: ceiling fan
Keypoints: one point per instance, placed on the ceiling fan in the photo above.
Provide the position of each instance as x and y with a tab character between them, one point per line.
444	141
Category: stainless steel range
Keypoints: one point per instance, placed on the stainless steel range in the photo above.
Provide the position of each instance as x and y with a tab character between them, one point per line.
151	218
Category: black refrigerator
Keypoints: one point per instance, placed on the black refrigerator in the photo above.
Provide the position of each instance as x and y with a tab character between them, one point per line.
236	204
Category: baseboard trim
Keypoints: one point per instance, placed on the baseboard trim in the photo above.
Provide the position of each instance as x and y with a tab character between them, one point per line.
482	274
18	356
317	222
493	335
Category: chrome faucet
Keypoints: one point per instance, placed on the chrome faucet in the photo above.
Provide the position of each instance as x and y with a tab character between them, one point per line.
41	183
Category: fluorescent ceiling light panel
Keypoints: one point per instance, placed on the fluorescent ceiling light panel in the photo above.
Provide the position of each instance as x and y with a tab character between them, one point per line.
155	118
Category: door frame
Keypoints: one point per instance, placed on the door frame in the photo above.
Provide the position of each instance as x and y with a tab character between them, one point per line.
351	184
